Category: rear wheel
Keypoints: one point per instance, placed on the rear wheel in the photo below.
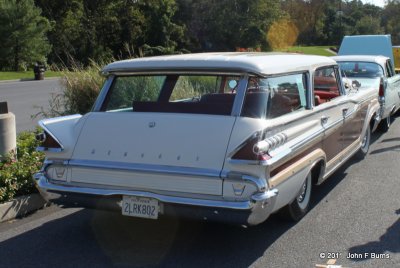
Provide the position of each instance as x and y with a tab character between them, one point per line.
301	204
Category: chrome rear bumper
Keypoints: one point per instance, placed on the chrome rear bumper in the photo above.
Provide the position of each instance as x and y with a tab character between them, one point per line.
251	212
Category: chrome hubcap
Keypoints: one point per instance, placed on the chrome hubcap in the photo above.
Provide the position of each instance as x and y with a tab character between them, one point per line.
303	193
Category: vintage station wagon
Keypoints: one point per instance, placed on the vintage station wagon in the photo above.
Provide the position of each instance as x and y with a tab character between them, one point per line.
377	72
231	137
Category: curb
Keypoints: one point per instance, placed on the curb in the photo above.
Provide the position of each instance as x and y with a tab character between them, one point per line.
21	206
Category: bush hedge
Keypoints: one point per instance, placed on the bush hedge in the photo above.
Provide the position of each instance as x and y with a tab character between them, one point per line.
16	169
80	88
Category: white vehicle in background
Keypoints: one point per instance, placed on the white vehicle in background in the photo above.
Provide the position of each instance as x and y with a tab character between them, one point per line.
231	137
375	72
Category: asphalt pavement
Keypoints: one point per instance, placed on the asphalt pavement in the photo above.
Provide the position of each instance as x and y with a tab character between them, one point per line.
25	99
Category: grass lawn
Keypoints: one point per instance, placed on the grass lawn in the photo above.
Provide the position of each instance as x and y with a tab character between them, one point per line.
317	50
26	75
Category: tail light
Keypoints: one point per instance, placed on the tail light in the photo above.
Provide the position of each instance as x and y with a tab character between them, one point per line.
48	142
248	152
258	149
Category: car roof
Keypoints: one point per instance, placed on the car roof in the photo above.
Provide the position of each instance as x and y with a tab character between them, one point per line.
250	62
362	58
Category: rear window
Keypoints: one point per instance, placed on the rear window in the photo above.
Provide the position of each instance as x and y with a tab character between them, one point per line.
361	69
199	94
275	96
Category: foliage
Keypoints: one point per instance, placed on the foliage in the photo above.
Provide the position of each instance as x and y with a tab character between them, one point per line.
103	30
283	33
326	22
80	88
193	86
225	25
311	50
22	34
16	175
390	20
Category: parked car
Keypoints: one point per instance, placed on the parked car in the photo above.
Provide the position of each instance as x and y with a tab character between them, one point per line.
374	71
231	137
375	45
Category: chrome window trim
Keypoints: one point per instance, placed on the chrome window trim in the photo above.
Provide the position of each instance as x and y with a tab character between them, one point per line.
181	72
240	95
309	91
339	82
103	94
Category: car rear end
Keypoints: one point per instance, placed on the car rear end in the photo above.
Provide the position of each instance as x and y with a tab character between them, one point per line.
156	145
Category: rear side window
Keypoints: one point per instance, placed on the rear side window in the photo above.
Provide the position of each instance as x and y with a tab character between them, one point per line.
326	86
173	93
389	68
128	88
275	96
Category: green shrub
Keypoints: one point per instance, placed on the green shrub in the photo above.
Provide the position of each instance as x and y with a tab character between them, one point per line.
80	88
16	170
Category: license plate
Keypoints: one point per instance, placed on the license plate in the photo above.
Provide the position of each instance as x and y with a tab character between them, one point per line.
140	207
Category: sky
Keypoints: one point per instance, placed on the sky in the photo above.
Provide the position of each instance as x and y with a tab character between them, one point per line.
380	3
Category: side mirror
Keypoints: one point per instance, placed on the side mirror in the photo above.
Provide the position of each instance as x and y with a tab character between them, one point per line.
356	84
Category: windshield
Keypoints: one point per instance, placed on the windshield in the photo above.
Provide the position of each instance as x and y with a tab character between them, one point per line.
173	93
361	69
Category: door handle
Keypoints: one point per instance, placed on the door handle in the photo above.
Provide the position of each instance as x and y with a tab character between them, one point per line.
324	119
344	111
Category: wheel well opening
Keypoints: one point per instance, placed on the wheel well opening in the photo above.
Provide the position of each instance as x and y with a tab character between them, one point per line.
316	171
372	121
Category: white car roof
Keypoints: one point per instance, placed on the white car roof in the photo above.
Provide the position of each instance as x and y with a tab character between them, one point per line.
362	58
256	62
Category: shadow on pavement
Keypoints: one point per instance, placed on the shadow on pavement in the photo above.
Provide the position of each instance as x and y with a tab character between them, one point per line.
388	243
101	239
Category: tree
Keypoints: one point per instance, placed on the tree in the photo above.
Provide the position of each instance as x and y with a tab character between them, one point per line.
368	25
22	34
391	20
102	30
226	25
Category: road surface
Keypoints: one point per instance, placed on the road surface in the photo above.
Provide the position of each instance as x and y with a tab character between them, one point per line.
25	97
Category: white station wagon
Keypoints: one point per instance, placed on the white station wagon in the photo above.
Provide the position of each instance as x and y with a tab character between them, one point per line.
230	137
376	72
